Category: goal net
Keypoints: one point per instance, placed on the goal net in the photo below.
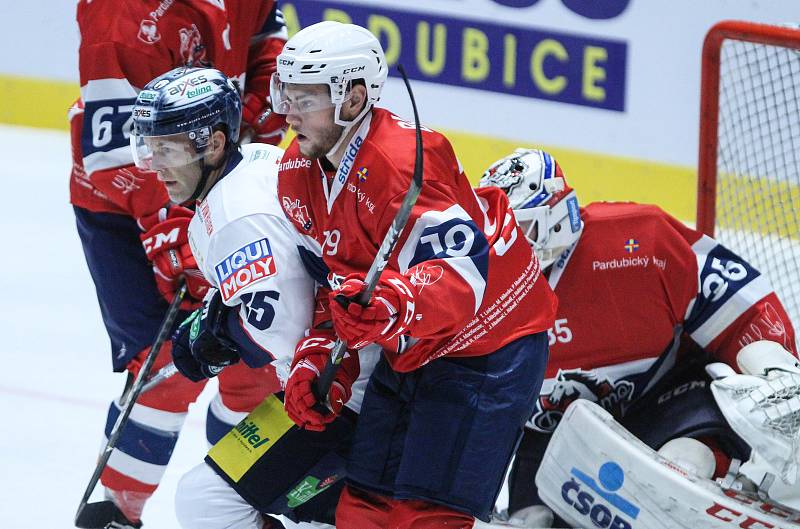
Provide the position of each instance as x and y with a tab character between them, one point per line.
749	161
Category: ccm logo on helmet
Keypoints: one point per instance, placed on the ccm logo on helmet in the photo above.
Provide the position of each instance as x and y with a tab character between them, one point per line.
285	62
354	70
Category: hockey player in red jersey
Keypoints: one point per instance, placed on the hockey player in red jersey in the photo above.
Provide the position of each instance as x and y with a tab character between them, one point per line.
130	232
460	309
644	303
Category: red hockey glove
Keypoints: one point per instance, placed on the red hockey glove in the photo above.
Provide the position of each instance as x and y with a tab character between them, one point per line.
389	314
259	123
166	244
310	357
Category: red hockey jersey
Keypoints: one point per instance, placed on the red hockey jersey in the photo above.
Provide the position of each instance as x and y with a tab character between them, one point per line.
127	43
479	286
635	284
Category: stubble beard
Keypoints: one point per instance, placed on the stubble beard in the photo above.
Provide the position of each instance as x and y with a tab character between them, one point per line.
321	148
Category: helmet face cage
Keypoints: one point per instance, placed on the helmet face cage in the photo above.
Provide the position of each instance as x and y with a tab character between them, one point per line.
545	207
176	113
332	54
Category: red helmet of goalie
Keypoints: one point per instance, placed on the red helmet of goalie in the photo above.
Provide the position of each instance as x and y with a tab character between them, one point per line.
545	206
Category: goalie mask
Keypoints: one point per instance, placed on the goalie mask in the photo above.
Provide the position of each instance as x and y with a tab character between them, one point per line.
545	207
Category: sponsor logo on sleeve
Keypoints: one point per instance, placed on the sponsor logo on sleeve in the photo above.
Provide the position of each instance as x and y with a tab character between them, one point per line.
244	267
598	499
193	51
148	31
205	214
297	212
148	28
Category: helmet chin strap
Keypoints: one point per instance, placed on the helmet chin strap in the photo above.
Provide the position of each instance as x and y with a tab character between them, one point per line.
205	172
347	126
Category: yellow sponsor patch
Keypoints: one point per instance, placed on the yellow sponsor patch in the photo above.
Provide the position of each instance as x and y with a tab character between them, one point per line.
238	451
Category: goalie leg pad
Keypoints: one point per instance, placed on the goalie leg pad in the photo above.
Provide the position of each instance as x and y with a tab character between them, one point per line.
595	473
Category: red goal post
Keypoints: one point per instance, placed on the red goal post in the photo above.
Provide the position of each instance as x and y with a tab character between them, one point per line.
748	194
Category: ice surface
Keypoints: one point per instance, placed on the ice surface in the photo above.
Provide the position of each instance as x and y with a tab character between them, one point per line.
55	374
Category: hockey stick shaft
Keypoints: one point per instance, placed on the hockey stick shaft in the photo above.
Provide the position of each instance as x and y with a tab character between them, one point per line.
382	257
129	399
164	373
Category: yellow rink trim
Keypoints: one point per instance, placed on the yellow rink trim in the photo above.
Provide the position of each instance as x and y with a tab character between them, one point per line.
760	205
36	102
44	103
594	176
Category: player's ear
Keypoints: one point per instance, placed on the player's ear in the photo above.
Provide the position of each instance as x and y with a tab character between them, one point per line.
358	98
217	150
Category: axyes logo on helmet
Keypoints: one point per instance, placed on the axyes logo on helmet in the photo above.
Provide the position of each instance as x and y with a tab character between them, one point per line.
175	115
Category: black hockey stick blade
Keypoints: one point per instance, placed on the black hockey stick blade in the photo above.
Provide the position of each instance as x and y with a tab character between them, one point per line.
129	398
381	258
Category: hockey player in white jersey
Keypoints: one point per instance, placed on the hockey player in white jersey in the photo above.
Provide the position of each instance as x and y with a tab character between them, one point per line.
238	236
262	301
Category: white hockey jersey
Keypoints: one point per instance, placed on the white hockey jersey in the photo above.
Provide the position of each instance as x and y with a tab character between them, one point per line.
246	248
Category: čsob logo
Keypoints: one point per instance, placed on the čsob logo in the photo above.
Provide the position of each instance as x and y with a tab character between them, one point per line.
585	8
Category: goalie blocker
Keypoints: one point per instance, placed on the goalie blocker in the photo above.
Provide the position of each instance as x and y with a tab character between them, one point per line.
597	474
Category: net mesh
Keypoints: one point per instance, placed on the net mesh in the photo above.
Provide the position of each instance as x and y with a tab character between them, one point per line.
779	402
758	162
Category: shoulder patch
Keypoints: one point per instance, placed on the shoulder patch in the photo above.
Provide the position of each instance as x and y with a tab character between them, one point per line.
244	267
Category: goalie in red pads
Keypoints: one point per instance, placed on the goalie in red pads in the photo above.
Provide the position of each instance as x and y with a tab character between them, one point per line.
644	304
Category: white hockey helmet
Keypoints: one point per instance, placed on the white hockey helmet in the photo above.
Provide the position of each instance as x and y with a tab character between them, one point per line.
333	54
545	207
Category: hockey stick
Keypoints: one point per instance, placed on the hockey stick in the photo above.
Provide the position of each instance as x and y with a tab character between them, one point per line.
381	258
162	374
89	519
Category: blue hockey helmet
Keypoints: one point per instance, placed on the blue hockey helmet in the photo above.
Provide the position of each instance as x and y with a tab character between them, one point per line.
184	106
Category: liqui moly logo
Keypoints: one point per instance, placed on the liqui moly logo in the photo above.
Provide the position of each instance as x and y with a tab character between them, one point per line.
244	267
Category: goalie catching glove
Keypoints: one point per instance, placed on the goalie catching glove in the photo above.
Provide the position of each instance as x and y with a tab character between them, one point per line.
200	348
310	357
166	244
763	404
389	314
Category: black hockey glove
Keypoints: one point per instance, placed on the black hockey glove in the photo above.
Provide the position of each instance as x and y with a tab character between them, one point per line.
200	348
